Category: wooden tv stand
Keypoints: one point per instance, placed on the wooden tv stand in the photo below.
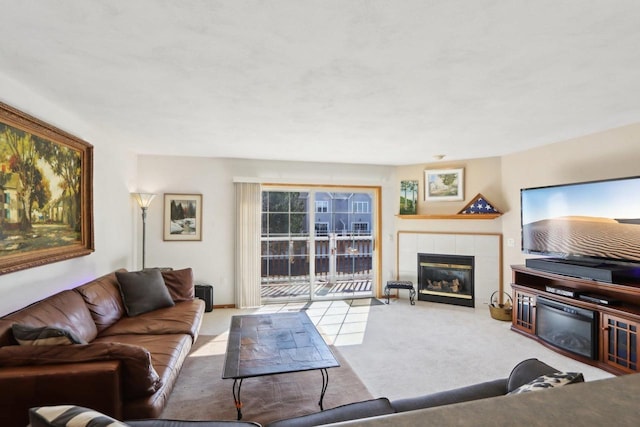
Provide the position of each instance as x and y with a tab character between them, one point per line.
618	324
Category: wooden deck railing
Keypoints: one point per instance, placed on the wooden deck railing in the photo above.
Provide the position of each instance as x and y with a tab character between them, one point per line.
285	261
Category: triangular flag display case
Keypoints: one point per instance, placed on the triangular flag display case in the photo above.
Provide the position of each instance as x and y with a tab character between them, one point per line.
479	205
478	208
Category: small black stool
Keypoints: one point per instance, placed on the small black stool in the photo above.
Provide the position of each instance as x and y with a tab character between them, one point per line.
401	284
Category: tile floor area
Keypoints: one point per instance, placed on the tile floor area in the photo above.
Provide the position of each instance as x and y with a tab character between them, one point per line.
339	322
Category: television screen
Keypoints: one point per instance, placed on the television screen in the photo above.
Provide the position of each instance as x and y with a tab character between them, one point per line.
597	219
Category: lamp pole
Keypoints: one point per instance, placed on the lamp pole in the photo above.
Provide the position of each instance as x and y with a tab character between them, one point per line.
144	232
144	200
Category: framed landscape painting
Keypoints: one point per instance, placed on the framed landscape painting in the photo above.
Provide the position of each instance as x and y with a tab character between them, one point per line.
183	217
408	197
442	185
46	195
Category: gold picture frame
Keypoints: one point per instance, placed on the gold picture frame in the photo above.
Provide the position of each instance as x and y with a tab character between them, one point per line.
46	193
182	217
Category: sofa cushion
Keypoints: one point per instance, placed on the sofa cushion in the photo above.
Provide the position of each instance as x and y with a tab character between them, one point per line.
180	284
527	370
139	376
350	411
183	318
44	335
143	291
65	310
103	300
70	416
543	382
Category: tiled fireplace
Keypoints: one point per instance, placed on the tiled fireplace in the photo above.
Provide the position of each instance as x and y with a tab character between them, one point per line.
485	249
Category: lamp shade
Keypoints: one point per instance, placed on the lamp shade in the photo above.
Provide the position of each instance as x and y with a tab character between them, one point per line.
144	199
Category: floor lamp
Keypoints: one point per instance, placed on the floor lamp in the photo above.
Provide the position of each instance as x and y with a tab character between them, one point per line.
144	200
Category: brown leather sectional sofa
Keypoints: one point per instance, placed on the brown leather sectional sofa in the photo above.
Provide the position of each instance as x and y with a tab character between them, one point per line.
126	369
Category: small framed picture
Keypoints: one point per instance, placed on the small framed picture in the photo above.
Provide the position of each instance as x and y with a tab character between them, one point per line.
441	185
408	197
182	217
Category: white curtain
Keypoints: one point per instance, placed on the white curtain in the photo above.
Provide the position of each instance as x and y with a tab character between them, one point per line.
248	229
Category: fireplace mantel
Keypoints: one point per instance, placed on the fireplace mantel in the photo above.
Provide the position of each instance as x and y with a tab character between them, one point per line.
486	248
453	216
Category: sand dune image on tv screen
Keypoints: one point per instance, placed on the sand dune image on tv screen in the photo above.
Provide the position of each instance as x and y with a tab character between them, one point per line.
589	236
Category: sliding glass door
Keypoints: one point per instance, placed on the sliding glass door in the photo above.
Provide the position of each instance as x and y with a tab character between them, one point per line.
318	243
285	244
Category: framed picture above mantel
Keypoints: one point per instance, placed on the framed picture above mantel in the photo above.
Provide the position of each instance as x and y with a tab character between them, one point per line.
408	197
443	185
46	193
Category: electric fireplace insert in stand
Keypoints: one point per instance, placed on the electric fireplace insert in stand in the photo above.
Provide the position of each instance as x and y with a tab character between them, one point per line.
567	327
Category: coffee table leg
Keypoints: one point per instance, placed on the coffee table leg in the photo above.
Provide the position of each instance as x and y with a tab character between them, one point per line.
325	384
237	384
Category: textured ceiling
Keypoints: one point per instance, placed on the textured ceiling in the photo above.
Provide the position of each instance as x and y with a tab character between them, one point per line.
356	81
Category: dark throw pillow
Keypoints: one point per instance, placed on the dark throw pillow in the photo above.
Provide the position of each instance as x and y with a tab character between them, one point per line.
143	291
180	284
44	335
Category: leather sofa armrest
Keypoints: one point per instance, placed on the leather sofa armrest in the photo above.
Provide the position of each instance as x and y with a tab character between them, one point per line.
138	374
94	385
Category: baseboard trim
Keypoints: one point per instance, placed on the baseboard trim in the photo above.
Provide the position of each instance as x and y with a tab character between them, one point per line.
224	306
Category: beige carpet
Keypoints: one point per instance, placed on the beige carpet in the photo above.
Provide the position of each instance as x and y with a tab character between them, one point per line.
397	350
201	394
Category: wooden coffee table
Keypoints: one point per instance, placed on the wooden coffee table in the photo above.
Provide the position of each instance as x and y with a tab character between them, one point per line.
270	344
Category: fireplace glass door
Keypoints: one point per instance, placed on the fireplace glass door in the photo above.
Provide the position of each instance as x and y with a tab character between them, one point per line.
446	278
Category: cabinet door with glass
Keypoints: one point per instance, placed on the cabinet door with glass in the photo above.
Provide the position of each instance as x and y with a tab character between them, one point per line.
524	311
619	342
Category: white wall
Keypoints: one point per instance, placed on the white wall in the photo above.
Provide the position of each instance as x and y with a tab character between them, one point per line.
611	154
480	176
212	259
117	172
114	173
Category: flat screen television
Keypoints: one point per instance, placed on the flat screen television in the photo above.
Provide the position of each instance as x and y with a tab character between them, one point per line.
596	220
